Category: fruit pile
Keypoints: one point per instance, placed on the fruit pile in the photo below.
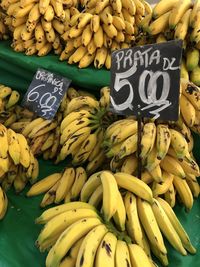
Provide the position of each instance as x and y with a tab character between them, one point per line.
128	214
37	25
103	26
90	30
177	19
18	166
3	27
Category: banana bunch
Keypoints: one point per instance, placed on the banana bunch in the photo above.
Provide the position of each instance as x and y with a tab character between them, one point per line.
189	105
8	100
42	135
103	26
77	236
166	155
17	163
3	203
37	25
65	186
4	33
176	19
82	130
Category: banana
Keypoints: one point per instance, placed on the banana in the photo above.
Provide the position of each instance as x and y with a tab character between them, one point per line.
96	197
89	246
95	23
161	256
184	72
161	38
82	101
116	5
73	127
187	111
178	11
148	139
134	185
73	142
152	159
192	92
130	164
128	147
184	192
122	257
189	166
183	25
72	116
98	38
119	216
3	203
24	151
55	227
133	224
144	24
13	146
96	163
167	228
86	60
58	8
49	13
194	76
80	179
44	185
49	196
192	59
55	211
97	148
162	7
71	235
194	13
66	182
179	144
110	194
163	187
3	141
85	149
49	142
156	174
177	225
86	35
138	256
100	57
84	19
120	134
194	187
91	184
170	165
131	6
100	6
160	24
170	196
110	30
105	255
118	23
150	225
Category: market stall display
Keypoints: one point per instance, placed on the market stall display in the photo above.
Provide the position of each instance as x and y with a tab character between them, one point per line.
122	190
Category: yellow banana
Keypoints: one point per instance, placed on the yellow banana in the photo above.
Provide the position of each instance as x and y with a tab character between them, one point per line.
170	165
66	182
134	185
44	185
162	7
148	139
178	11
119	216
160	24
138	256
183	25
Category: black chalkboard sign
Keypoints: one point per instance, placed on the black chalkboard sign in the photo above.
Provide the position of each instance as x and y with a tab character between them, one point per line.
145	80
45	93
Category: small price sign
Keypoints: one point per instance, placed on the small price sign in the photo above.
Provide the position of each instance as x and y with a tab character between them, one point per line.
145	80
45	93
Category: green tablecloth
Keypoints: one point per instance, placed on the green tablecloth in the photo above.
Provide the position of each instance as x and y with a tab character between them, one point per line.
18	231
17	70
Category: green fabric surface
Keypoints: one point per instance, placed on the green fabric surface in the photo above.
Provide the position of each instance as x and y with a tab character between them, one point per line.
15	65
18	231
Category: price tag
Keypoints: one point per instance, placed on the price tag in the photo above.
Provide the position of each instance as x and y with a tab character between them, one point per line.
45	93
145	80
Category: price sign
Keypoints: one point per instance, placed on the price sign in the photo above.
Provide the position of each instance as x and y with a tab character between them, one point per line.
145	80
45	93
